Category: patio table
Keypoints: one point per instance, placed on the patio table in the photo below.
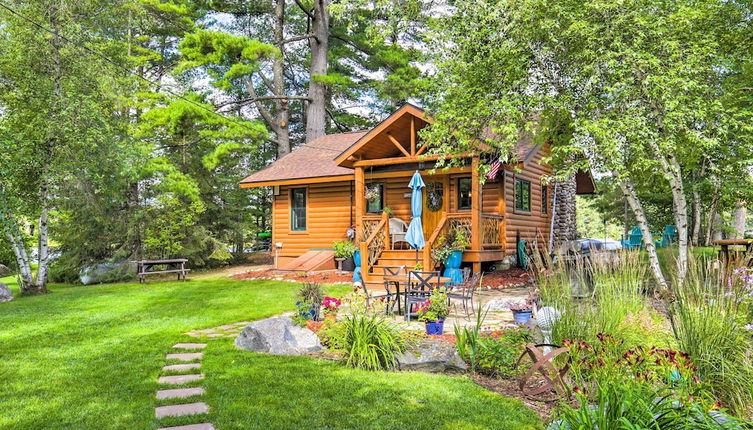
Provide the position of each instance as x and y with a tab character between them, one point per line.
399	280
724	251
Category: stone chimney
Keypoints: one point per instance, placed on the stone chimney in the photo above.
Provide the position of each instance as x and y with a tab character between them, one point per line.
565	227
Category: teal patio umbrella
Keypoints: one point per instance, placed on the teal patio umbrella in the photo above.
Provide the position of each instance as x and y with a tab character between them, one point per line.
415	234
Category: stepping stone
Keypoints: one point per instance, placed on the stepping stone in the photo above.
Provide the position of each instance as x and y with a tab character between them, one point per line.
180	393
214	335
186	356
190	345
202	426
179	379
182	366
181	410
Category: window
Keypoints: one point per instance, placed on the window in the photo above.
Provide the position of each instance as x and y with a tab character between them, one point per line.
522	195
298	209
464	193
544	199
376	205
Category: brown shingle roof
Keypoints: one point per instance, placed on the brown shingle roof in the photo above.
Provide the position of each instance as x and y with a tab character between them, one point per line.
313	160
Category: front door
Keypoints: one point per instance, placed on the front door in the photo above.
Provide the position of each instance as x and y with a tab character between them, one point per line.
436	201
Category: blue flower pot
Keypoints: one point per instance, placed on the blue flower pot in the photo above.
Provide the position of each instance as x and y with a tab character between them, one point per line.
312	313
452	267
521	317
357	271
435	327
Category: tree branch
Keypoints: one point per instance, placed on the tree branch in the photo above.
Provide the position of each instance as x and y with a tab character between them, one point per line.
262	98
297	38
303	8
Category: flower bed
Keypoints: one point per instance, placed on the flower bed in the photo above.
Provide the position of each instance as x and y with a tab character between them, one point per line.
325	277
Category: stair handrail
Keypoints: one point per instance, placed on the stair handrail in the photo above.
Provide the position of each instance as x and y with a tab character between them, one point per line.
368	258
428	264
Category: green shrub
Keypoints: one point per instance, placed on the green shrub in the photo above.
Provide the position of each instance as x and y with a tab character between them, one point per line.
496	355
371	342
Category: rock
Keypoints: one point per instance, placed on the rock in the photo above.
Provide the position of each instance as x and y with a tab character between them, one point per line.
4	271
107	272
432	356
6	294
278	336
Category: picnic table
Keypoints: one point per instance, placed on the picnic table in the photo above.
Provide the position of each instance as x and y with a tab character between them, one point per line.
153	267
724	244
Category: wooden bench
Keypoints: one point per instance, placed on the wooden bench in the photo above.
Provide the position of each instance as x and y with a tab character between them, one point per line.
147	267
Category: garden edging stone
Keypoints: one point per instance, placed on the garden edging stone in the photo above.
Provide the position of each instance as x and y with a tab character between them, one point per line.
6	294
432	356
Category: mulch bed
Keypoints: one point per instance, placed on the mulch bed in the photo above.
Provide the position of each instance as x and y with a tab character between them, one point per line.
326	277
509	388
510	278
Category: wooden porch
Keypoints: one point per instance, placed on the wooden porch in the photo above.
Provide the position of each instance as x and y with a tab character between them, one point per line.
486	230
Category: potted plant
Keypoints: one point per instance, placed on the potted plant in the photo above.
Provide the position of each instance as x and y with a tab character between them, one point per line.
449	250
372	193
310	297
344	250
521	310
330	306
433	312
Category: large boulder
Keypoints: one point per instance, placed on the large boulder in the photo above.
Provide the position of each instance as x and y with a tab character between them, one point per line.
278	336
107	272
5	293
4	271
432	356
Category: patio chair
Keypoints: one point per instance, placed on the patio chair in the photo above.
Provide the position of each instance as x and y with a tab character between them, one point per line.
394	298
418	289
466	293
388	297
668	237
398	230
633	240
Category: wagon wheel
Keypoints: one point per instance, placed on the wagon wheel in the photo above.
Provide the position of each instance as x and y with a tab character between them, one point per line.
542	363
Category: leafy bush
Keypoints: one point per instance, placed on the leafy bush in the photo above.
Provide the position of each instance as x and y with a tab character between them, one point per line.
371	342
496	354
344	248
491	354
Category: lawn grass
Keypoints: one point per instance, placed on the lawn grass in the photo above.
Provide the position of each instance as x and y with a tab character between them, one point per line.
89	358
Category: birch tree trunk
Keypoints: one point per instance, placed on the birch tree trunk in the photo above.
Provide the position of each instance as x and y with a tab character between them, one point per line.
43	250
672	171
631	196
10	228
316	109
739	219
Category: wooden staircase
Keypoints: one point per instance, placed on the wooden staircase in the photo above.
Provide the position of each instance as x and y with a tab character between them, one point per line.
392	258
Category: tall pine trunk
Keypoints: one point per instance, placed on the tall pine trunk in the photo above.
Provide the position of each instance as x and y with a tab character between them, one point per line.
282	113
316	109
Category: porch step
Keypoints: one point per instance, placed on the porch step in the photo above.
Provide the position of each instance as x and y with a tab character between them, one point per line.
315	259
400	253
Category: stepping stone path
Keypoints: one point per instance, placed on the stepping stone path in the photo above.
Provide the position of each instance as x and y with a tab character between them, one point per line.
226	330
184	409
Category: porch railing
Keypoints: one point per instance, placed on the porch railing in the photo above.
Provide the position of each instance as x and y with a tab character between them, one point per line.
371	248
492	232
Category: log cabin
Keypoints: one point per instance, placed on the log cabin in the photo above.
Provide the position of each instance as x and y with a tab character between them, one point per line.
319	193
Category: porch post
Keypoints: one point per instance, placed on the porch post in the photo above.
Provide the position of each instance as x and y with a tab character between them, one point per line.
476	205
360	191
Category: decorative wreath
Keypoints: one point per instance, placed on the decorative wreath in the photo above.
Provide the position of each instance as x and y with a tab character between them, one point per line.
434	196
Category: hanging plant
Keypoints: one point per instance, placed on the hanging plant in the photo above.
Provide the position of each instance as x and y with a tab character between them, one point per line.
434	196
372	193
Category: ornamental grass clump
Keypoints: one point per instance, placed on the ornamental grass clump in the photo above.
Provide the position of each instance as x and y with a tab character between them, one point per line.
371	342
708	314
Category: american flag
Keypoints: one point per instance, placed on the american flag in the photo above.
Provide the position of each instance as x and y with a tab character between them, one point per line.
494	170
